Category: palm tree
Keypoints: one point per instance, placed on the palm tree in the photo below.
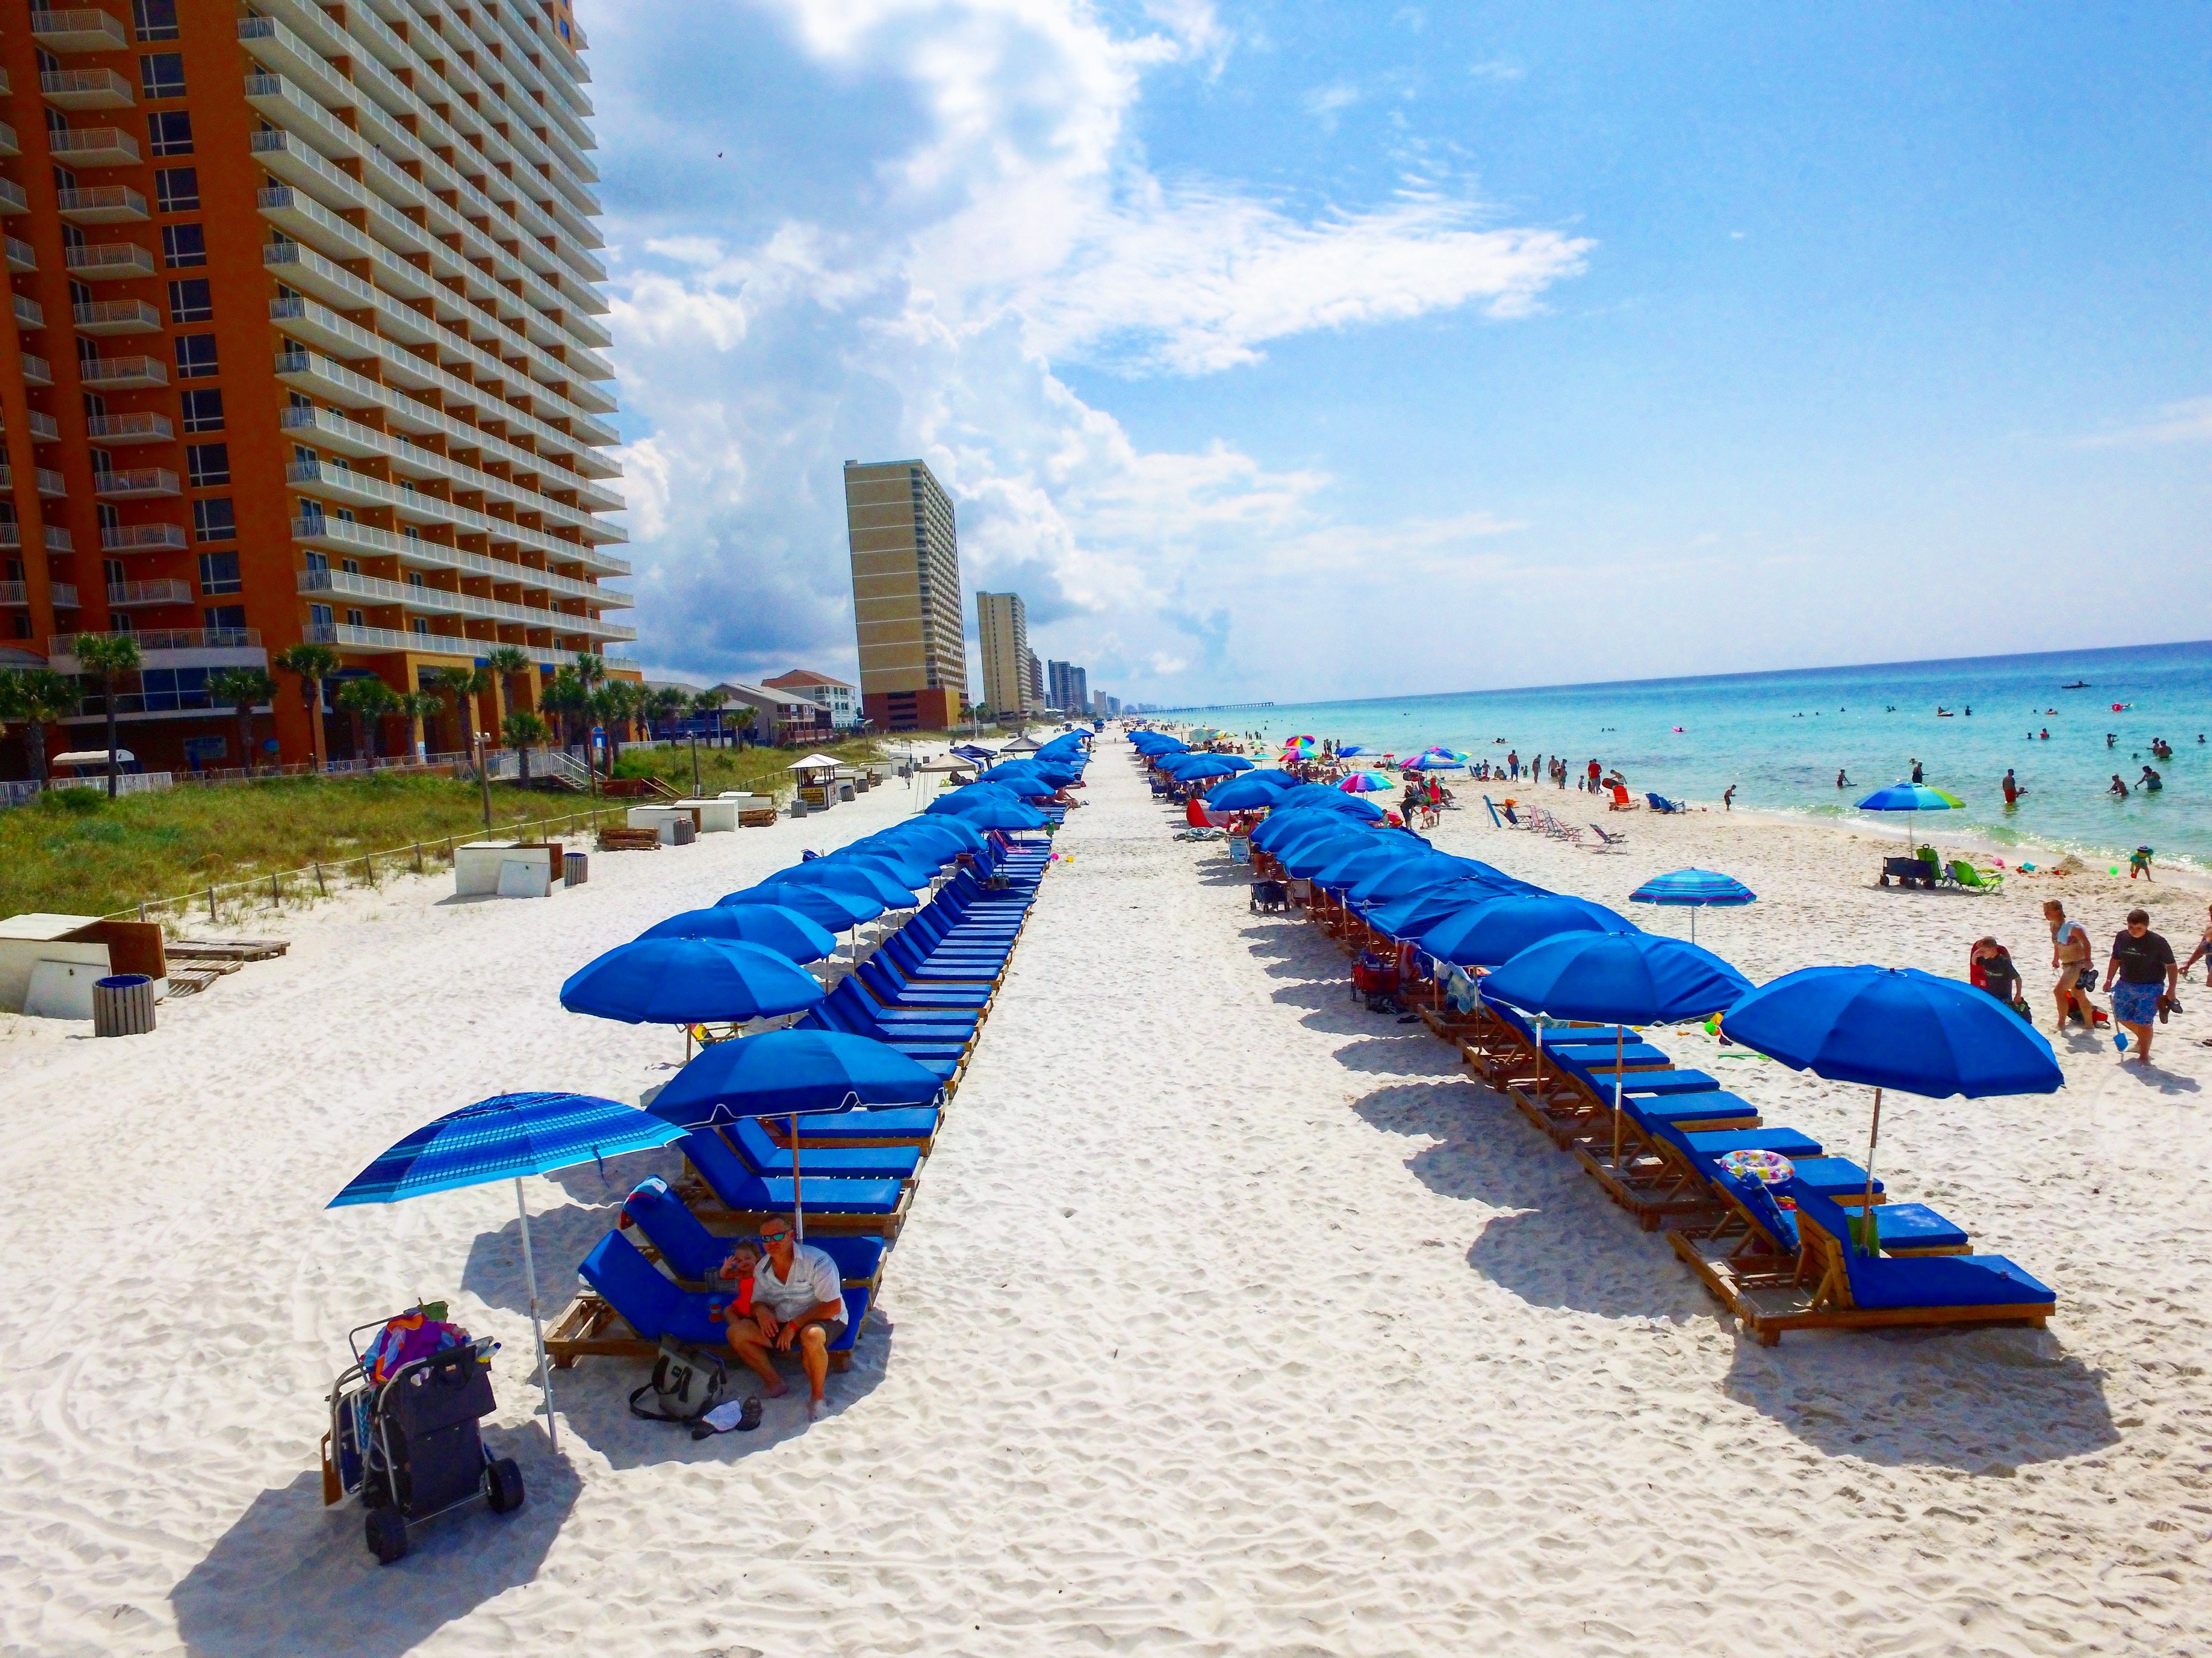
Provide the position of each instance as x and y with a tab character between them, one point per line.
366	700
109	655
710	702
243	689
510	663
667	704
614	704
569	699
414	708
590	669
314	663
524	731
464	685
37	696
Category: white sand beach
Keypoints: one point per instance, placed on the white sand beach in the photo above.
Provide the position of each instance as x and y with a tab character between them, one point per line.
1230	1318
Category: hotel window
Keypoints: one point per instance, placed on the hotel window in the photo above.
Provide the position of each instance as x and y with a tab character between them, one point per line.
207	464
223	616
350	566
156	19
421	625
177	189
317	564
215	520
191	299
318	617
161	73
219	573
183	246
196	356
169	133
356	618
203	411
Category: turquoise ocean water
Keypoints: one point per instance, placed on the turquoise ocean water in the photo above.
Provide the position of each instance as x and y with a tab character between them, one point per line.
1780	738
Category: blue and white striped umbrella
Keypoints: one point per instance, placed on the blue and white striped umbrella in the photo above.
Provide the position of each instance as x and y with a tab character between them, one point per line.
1694	890
504	1138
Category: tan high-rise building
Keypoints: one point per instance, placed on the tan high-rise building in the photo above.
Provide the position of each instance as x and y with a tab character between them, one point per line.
304	347
1002	636
906	596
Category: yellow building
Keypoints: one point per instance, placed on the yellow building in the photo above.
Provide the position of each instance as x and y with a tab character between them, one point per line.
1002	637
906	596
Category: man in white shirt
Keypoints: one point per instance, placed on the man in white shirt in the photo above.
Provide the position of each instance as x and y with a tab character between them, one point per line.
798	1302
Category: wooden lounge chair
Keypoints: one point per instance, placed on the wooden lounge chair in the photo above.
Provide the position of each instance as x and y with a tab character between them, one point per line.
1837	1284
722	1192
630	1306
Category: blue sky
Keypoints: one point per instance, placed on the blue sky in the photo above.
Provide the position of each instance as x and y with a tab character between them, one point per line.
1300	350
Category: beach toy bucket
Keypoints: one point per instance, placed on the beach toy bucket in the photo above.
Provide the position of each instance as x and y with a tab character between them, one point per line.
123	1005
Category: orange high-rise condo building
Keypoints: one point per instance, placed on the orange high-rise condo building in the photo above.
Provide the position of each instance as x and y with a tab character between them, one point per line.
302	345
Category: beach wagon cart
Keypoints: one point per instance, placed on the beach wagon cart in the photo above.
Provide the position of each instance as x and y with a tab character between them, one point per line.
409	1446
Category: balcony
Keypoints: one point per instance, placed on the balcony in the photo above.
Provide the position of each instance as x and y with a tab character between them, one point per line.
109	262
50	484
130	429
443	601
346	636
9	147
62	595
11	536
135	484
23	257
122	373
92	147
80	28
29	314
86	88
117	317
12	198
58	540
37	371
143	538
43	427
128	595
102	204
174	648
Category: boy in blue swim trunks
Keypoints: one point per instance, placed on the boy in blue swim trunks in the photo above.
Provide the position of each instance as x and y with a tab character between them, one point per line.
2140	974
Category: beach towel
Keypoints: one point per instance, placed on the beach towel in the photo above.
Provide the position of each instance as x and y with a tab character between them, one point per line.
404	1340
1461	990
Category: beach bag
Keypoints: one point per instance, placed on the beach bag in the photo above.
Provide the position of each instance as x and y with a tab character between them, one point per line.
687	1382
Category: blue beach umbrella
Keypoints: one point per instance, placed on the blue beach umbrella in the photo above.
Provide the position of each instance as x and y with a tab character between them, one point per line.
1245	794
1417	912
983	812
1894	1027
1433	869
1616	979
1496	932
1346	750
772	927
942	837
1196	767
1430	762
792	1073
1694	890
853	875
905	866
1911	798
826	907
1363	861
687	980
504	1138
1309	857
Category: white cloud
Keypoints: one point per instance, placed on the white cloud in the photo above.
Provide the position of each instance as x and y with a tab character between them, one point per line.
1326	103
1496	68
2187	421
919	303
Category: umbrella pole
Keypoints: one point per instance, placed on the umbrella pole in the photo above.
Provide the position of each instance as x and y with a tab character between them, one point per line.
529	1273
798	1205
1618	1066
1867	1219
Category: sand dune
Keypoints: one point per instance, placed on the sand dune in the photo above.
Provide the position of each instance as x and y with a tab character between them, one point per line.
1229	1319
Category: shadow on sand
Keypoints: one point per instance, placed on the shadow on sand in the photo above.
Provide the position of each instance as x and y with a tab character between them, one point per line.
292	1577
1985	1401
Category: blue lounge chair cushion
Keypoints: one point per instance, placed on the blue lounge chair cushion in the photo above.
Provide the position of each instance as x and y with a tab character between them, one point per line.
1599	1058
690	1250
1896	1225
1883	1281
1782	1141
647	1302
1647	1083
916	1122
737	1186
764	1157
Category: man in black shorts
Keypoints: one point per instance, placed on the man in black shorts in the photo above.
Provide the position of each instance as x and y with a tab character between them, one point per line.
2143	964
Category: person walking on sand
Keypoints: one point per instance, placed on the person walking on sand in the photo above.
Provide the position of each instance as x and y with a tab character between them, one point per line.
2071	954
799	1302
2143	963
2012	789
1728	798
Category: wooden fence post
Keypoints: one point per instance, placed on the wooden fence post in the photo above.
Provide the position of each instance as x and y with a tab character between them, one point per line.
418	857
211	914
275	892
321	885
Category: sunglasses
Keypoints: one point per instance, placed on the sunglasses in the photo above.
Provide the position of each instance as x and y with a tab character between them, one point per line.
774	1237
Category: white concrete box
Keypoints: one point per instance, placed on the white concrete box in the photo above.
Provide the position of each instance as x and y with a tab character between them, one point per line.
480	869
